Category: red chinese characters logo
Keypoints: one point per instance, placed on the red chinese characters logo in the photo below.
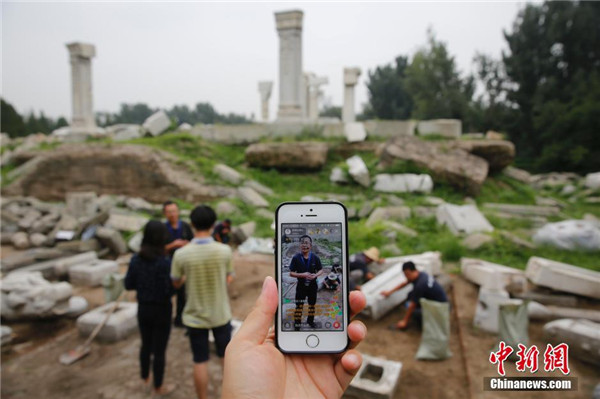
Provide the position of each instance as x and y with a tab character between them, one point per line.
555	357
500	356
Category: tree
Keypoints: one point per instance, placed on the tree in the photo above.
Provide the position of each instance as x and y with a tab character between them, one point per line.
388	95
12	123
554	62
135	113
437	89
331	112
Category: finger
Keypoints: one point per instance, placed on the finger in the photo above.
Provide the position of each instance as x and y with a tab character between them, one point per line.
346	367
357	331
358	301
256	326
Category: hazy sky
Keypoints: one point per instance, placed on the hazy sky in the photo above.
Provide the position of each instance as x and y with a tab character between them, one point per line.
166	53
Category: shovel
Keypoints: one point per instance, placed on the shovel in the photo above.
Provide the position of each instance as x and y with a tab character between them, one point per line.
83	350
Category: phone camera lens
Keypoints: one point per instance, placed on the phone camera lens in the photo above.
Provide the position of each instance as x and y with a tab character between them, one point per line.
311	210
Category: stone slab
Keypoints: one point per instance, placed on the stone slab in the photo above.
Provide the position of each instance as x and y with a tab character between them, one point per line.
338	176
550	299
403	183
56	268
92	273
525	210
126	222
252	198
377	378
487	309
582	336
462	219
443	127
537	311
476	241
563	277
358	171
492	275
259	188
388	213
81	204
228	174
355	131
121	324
112	239
570	235
157	123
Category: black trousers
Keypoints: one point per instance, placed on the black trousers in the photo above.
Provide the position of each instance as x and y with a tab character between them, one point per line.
154	321
180	305
310	293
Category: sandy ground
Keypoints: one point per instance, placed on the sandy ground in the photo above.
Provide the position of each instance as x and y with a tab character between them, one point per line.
30	367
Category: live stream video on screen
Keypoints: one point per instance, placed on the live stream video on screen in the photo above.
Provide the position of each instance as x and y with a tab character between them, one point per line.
311	277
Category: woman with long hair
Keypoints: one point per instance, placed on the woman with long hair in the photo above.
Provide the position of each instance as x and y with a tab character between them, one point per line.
149	274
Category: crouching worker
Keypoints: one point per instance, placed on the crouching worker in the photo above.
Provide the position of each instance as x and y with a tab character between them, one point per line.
424	286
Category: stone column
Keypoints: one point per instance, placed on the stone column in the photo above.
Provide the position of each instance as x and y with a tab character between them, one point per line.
81	86
350	80
265	94
314	84
289	28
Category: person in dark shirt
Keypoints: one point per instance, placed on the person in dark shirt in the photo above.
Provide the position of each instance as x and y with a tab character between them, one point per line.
359	267
180	234
424	286
149	273
306	267
221	231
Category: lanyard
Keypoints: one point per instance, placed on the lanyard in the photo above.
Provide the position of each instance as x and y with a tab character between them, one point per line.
175	233
307	262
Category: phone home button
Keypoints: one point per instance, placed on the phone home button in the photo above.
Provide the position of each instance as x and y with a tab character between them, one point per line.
312	341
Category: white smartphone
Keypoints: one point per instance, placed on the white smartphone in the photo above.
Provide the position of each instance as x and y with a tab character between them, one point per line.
311	265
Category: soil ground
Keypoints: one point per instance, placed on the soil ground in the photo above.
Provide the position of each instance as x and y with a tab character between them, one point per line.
30	367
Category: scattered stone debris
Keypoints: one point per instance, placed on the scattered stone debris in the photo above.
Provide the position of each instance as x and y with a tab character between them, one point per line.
6	335
563	277
242	232
498	153
582	336
570	235
257	245
338	176
493	276
120	324
355	131
157	123
476	241
462	219
518	174
358	171
537	311
228	174
403	183
398	213
592	180
554	179
298	156
252	198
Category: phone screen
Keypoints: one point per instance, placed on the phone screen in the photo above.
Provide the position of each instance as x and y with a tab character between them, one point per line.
312	277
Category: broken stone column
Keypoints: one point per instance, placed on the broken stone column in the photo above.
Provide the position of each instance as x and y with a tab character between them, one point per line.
350	80
314	91
289	28
265	89
81	55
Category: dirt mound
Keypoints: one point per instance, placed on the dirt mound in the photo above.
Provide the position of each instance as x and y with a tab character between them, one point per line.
110	169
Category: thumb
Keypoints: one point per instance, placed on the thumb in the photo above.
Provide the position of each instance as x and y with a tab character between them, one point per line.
256	326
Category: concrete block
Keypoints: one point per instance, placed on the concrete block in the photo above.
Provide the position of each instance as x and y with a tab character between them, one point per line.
355	131
493	276
377	378
465	219
252	198
157	123
563	277
120	324
377	304
582	336
487	309
92	273
228	174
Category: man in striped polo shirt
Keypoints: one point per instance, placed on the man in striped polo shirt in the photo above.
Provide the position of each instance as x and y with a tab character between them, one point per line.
206	268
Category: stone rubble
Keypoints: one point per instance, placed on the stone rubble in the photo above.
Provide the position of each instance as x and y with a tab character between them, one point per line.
358	170
463	219
403	183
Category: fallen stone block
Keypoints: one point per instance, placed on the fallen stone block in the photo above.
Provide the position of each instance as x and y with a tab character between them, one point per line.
112	239
297	155
79	246
29	257
476	241
259	188
465	219
570	235
355	131
487	309
358	171
29	219
365	210
403	183
377	378
563	277
252	198
550	299
257	245
6	335
524	210
388	213
81	204
498	153
241	233
400	228
135	242
20	240
228	174
78	305
126	222
138	204
443	127
537	311
157	123
37	239
582	336
493	276
338	176
91	274
430	262
120	324
592	180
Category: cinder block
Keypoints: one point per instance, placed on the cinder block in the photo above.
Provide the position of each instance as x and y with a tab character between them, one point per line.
92	273
119	325
563	277
492	275
487	310
582	336
377	378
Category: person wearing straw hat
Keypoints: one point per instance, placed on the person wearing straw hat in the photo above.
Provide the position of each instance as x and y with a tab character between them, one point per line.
359	266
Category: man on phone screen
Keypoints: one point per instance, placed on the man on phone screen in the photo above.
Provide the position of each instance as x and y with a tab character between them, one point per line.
306	267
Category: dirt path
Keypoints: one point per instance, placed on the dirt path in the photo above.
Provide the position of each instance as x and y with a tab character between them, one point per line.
31	369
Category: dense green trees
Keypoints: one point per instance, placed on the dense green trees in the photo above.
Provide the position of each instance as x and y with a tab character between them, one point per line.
544	92
17	126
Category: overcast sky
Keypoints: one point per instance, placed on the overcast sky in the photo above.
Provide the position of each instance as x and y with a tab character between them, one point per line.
166	53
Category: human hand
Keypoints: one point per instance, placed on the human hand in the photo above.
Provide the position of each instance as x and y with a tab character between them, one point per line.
386	293
402	324
311	276
286	376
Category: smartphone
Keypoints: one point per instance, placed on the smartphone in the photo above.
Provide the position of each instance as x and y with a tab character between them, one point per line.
311	267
